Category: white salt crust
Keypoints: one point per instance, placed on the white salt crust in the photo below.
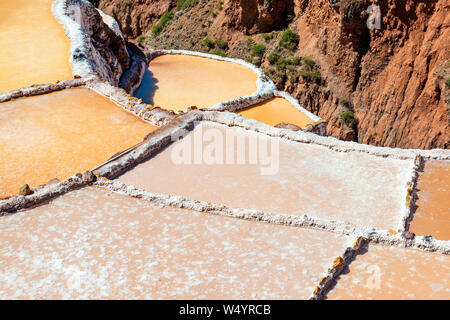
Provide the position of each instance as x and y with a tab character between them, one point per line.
162	138
360	236
368	233
77	37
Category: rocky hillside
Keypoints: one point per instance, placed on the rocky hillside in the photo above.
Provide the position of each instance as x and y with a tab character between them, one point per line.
386	87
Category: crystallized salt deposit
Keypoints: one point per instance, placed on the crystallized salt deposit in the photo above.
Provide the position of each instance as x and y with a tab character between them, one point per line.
308	179
91	243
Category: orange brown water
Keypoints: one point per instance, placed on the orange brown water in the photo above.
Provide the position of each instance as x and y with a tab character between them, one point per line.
34	47
314	180
59	134
395	273
433	213
275	111
91	243
179	81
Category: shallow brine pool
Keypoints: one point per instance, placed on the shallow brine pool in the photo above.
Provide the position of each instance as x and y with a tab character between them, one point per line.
59	134
177	82
34	47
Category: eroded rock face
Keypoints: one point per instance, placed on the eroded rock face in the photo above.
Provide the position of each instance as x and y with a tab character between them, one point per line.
252	16
136	17
392	74
110	45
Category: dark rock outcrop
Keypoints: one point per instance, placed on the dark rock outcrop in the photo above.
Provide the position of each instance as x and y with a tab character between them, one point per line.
111	57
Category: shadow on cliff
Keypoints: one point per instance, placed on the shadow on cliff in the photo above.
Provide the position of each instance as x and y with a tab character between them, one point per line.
148	87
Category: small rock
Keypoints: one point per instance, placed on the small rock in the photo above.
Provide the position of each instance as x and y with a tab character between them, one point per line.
25	190
338	262
409	235
88	176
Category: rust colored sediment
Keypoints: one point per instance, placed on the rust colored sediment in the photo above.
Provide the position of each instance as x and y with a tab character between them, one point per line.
181	81
432	216
385	272
34	47
58	134
91	243
275	111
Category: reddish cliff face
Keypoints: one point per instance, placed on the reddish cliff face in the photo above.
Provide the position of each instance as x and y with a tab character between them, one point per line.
137	16
252	16
392	78
395	76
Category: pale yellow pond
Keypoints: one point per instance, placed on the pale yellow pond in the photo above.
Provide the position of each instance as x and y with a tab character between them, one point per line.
275	111
177	82
388	273
59	134
34	47
432	216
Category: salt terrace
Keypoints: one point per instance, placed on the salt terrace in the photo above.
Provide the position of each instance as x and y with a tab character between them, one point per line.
216	203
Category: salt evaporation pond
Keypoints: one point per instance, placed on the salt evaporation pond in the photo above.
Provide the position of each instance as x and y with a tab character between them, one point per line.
34	47
276	110
308	179
59	134
432	216
94	244
395	273
177	82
